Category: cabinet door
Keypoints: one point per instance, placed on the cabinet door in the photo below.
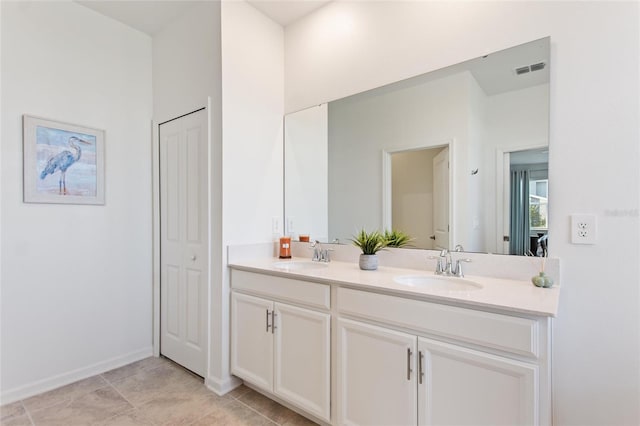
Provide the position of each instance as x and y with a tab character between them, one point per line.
252	340
302	372
465	387
376	375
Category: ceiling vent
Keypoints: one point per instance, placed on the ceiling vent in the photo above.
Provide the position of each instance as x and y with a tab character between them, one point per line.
530	68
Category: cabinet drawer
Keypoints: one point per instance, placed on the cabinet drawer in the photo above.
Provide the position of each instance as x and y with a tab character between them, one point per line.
502	332
286	289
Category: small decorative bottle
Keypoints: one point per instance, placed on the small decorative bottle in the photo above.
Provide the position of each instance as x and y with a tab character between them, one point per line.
542	280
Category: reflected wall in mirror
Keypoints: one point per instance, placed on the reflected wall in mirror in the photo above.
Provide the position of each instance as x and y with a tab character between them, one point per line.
369	160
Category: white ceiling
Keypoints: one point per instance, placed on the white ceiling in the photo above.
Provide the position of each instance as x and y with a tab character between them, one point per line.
146	16
151	16
286	12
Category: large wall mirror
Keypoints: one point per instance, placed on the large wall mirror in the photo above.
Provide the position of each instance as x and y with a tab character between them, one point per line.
454	156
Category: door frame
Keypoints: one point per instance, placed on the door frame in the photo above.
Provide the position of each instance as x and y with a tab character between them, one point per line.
387	203
503	191
155	170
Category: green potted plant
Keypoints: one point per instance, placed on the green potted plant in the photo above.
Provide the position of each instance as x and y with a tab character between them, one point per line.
370	243
396	238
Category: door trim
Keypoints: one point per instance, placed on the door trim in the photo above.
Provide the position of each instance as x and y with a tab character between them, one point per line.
155	170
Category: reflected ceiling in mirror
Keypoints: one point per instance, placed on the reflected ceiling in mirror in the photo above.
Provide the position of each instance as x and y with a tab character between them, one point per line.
430	156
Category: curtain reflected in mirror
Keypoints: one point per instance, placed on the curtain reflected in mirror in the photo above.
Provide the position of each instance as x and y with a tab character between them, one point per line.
529	202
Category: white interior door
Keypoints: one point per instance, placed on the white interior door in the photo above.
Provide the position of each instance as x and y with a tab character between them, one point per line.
441	190
183	240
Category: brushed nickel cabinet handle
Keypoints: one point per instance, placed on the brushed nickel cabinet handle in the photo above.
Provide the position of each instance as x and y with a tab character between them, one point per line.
409	353
420	367
268	321
273	321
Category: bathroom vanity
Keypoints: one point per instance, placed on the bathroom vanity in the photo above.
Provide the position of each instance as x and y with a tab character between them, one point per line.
392	346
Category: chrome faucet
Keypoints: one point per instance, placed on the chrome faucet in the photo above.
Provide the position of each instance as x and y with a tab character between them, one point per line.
320	254
446	266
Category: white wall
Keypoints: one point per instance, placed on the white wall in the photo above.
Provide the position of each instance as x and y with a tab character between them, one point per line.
76	280
253	105
186	62
348	47
187	73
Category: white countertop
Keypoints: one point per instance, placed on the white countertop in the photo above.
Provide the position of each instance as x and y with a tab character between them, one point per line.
496	293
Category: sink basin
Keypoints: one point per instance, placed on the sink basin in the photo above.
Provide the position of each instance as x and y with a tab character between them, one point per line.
436	282
298	265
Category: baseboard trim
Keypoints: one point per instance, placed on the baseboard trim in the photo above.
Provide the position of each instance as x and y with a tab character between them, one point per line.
222	386
44	385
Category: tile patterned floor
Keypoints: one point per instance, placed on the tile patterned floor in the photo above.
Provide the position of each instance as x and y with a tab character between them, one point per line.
151	392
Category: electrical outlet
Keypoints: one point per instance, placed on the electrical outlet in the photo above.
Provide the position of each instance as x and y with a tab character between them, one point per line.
290	228
275	225
583	229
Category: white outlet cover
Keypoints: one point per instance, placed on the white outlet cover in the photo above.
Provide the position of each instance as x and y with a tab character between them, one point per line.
584	229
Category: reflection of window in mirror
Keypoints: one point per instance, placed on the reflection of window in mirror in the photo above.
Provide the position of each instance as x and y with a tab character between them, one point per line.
538	205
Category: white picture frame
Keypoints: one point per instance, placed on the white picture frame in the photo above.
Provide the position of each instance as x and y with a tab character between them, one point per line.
63	163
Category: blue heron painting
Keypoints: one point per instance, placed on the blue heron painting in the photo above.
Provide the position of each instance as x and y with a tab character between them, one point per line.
69	157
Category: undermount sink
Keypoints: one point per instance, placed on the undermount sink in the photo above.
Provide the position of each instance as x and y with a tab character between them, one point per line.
436	282
298	265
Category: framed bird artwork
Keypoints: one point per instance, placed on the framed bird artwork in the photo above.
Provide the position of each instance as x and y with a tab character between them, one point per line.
63	163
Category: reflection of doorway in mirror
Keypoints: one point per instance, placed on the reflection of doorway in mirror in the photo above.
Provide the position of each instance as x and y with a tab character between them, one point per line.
420	195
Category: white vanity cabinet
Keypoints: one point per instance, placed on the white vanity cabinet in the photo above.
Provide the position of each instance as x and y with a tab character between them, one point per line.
281	347
393	358
486	370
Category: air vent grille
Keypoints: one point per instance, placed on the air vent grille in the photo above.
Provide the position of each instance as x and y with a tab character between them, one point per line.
537	67
530	68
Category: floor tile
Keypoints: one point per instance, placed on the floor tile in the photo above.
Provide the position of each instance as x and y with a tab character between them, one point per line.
271	409
182	408
130	418
160	382
12	410
233	414
88	409
64	394
238	392
295	419
22	420
134	368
